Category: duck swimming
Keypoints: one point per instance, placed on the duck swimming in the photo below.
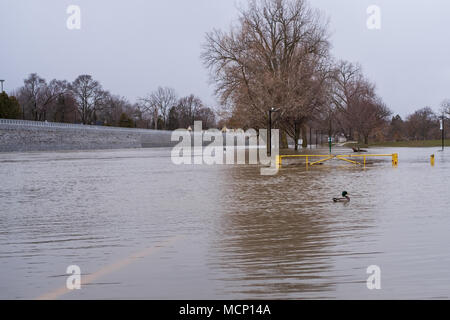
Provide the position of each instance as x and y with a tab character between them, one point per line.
345	197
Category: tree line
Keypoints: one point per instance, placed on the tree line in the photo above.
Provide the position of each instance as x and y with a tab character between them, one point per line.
276	60
85	101
423	124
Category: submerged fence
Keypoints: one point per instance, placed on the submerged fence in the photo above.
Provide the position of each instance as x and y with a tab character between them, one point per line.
342	157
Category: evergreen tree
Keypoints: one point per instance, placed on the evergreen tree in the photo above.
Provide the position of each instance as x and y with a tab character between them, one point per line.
125	121
9	107
173	122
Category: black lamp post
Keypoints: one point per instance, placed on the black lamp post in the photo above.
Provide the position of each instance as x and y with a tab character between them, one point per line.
269	133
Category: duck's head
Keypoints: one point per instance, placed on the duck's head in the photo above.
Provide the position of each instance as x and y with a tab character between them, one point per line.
344	193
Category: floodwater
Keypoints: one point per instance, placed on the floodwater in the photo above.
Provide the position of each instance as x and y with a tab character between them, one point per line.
140	227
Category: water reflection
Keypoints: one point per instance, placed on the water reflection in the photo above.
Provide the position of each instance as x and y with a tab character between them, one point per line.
244	235
278	235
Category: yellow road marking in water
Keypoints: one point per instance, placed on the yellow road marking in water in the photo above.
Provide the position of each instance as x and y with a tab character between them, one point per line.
110	268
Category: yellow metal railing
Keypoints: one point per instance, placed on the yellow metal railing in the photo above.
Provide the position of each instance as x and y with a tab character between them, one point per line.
307	157
342	157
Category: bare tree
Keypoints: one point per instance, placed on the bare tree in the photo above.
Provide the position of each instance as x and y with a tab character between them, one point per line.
164	99
64	108
158	104
38	98
360	110
51	93
189	108
310	99
207	117
89	96
269	60
348	87
367	114
421	123
114	106
30	94
445	107
149	109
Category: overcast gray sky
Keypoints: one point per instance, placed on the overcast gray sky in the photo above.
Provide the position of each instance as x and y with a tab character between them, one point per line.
134	46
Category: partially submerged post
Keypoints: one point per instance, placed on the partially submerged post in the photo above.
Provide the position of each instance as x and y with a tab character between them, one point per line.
395	159
329	142
278	162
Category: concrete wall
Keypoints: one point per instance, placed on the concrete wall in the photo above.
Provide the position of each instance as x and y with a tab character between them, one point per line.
20	135
23	135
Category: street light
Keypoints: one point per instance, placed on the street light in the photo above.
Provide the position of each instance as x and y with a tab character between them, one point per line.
269	134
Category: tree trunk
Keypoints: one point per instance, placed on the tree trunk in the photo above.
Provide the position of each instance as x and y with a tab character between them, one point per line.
296	137
283	140
304	137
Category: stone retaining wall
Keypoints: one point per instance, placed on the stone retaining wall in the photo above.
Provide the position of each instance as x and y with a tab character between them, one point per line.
20	135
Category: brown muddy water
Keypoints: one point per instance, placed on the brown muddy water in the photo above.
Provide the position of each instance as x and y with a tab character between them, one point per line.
140	227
